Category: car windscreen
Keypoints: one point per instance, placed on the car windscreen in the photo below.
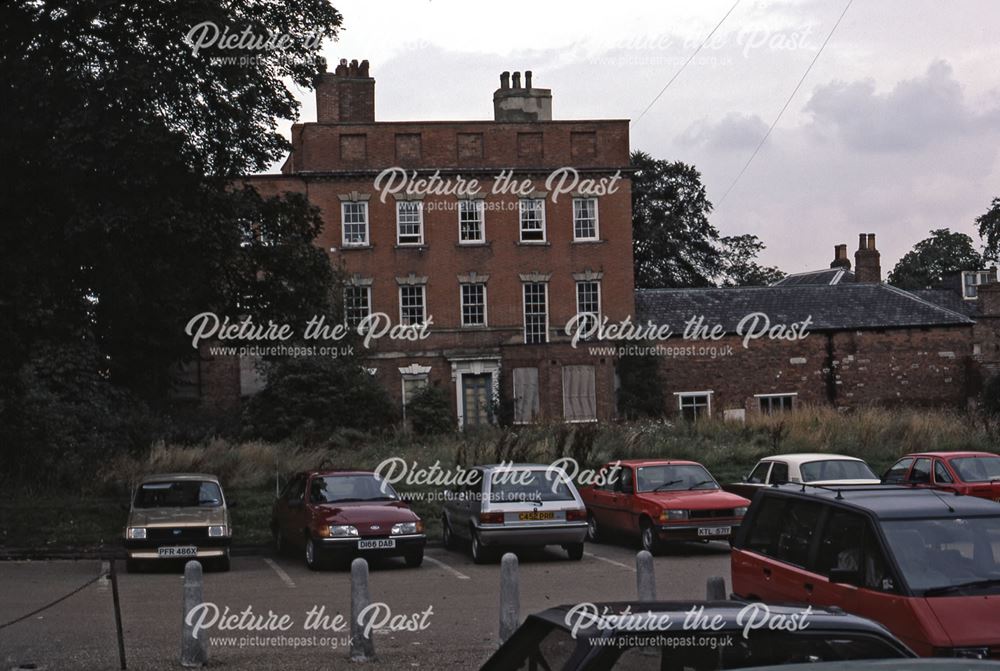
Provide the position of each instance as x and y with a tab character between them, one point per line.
178	494
671	478
347	488
947	557
977	469
520	485
836	469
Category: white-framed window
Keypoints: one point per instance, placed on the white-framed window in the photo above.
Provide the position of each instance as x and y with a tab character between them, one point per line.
588	302
525	395
772	404
412	304
971	279
579	393
532	213
585	226
414	378
473	304
409	222
693	405
357	305
536	312
354	223
471	221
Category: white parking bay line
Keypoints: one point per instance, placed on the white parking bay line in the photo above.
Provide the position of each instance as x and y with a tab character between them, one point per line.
611	561
449	569
285	578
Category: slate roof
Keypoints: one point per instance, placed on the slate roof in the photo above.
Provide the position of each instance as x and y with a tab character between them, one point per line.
948	299
826	276
833	307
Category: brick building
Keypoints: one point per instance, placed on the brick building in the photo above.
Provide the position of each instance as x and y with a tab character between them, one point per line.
499	274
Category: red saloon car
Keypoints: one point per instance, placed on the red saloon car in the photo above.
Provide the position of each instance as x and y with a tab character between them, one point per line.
659	501
969	473
338	515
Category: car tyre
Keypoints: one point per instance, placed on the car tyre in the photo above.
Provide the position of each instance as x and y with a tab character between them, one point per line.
480	555
414	558
648	538
575	551
447	536
313	555
593	531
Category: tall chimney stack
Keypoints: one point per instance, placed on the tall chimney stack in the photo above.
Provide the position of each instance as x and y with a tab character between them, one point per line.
867	260
346	95
513	103
840	259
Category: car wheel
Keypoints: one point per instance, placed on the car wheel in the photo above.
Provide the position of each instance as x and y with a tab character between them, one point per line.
575	551
593	533
650	543
480	554
414	558
314	558
446	534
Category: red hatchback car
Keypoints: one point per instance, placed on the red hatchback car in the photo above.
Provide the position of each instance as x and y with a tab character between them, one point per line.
659	501
969	473
338	515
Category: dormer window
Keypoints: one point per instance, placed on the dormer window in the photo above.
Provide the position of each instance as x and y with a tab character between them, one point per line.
971	279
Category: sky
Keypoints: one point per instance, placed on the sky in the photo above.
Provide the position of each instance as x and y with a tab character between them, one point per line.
895	131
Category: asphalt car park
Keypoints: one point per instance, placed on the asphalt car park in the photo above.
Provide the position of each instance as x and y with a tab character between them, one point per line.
79	632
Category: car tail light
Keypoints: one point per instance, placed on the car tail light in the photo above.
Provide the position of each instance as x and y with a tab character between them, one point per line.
576	515
491	518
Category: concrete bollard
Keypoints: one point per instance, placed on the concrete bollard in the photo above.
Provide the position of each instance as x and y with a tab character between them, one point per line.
645	578
715	589
194	651
362	647
510	596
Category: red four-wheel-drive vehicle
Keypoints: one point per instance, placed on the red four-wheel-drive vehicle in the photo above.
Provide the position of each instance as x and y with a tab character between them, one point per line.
970	473
661	500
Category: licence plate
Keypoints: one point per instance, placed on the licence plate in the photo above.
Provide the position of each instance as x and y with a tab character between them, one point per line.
714	531
377	544
534	517
177	551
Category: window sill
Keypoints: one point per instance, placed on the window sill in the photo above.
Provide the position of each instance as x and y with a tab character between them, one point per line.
419	247
485	243
598	241
533	243
346	248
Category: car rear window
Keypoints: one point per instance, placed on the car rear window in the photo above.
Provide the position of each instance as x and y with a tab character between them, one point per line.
523	485
178	494
977	469
836	469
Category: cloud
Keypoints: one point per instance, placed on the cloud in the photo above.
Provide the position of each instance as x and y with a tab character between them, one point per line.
734	132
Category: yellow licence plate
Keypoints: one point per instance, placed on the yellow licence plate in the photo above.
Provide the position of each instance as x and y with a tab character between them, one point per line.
532	517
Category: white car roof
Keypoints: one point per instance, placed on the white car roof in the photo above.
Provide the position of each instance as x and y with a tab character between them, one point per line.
799	459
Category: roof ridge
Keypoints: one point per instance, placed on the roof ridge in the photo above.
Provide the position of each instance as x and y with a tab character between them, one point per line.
918	299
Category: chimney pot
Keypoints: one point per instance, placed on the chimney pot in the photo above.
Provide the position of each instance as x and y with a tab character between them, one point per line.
867	260
517	80
505	80
347	95
840	259
527	79
863	241
871	241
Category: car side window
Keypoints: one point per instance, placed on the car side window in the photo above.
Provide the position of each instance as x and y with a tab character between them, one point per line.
779	474
625	481
798	526
611	474
763	535
758	475
941	474
842	543
921	471
296	490
897	473
876	572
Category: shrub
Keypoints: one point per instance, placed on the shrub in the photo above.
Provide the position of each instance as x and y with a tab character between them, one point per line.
429	412
641	392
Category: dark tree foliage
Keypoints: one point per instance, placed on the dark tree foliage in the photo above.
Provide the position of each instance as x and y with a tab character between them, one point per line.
674	245
739	263
934	258
429	412
989	231
641	391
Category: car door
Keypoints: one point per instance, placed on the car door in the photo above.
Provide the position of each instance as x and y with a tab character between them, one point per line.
296	515
920	473
625	514
942	477
841	547
778	474
896	475
791	577
604	498
468	504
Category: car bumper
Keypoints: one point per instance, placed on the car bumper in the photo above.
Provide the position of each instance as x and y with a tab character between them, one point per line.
716	531
150	549
349	546
549	534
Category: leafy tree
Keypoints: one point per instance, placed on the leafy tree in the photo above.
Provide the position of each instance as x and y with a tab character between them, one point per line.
673	241
641	390
429	412
739	263
989	231
933	258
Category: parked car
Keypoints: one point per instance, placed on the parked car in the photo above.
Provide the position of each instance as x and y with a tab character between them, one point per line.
546	641
515	505
817	469
178	516
659	501
920	664
333	516
970	473
923	563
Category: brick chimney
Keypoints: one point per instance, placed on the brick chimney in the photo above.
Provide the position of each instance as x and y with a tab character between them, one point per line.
511	102
867	260
840	259
346	95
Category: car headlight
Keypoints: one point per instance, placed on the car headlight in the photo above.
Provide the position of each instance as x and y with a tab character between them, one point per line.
217	531
136	533
404	528
343	531
971	653
675	514
740	512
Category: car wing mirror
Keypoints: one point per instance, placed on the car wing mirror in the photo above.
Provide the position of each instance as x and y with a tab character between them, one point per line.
845	576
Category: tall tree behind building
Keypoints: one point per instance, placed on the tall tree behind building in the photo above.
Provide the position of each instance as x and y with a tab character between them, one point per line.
933	258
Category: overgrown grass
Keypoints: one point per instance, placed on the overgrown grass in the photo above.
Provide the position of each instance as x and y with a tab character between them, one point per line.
249	470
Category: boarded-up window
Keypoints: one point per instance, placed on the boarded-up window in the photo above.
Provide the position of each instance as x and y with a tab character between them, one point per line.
353	147
529	145
525	394
583	145
470	145
579	393
408	146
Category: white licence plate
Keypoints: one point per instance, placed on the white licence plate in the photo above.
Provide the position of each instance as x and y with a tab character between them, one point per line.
177	551
714	531
377	544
